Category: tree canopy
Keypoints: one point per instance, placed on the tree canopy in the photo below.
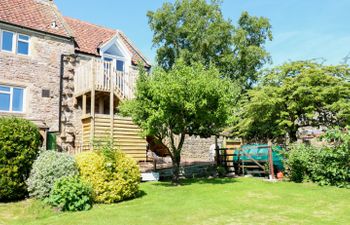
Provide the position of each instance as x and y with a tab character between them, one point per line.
191	100
196	31
295	95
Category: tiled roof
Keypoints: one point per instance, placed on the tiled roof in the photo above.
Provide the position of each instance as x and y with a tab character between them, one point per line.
89	37
34	14
40	14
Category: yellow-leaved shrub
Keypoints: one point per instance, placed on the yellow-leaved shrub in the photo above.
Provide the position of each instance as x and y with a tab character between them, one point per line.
114	177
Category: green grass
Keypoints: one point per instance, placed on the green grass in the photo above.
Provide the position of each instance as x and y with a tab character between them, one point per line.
215	201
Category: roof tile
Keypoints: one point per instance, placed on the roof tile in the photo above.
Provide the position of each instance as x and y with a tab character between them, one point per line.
33	14
89	37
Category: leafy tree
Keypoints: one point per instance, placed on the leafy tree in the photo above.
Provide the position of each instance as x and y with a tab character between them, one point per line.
196	31
189	100
295	95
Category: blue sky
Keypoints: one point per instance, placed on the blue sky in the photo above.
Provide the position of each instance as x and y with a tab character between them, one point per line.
302	29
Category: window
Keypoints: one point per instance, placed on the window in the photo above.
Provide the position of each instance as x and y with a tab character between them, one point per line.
107	59
23	44
13	42
7	41
11	99
120	65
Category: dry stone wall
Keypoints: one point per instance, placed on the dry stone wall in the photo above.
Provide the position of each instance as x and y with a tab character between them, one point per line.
197	148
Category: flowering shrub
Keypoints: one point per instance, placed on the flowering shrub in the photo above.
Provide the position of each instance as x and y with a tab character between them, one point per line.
47	168
113	176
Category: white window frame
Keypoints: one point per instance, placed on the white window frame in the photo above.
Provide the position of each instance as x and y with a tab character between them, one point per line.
114	60
25	41
126	55
15	40
11	98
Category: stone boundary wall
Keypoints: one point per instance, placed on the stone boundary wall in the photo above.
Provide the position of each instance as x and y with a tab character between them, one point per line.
196	148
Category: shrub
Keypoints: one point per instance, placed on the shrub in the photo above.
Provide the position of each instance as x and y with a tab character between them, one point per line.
333	164
298	160
113	176
326	165
47	168
71	194
19	146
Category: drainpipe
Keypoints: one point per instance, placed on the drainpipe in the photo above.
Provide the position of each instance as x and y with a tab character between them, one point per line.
60	93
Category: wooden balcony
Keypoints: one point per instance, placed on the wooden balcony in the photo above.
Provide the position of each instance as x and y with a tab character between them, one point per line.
100	76
100	88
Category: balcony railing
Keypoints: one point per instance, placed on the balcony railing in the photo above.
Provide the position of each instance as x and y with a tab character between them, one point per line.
102	76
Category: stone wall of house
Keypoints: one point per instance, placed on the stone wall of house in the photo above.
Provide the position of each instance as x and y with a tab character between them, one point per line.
38	72
71	125
196	148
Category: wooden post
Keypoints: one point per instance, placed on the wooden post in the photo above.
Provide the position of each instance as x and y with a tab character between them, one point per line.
92	100
272	172
84	104
111	99
217	153
225	158
101	106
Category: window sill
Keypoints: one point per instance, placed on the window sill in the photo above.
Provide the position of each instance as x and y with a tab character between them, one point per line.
20	114
14	54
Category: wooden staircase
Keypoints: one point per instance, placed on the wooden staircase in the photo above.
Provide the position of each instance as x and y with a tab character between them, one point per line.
125	134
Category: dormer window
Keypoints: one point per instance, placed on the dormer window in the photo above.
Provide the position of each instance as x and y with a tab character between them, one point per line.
14	42
117	53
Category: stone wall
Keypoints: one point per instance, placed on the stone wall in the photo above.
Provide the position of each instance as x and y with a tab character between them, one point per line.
71	125
38	71
196	148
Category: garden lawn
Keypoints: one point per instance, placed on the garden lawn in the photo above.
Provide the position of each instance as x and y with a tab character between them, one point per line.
211	201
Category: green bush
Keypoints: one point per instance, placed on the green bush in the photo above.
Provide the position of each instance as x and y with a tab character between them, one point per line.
326	165
333	164
47	168
298	162
113	176
19	146
71	194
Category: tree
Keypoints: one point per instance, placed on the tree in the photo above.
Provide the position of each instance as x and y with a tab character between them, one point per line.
186	100
292	96
196	31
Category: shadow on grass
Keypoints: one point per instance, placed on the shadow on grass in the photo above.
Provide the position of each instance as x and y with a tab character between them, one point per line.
185	182
139	194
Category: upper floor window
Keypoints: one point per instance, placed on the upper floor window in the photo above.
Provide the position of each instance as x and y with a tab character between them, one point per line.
11	99
23	44
14	42
120	65
7	41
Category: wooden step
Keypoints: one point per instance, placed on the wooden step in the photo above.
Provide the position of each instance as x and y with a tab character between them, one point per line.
125	143
126	133
250	166
126	126
127	129
251	161
255	172
130	137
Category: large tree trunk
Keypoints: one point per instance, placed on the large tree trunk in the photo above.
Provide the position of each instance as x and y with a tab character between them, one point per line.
293	134
176	167
176	157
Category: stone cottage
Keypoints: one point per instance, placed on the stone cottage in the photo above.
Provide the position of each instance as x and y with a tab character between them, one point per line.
68	76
